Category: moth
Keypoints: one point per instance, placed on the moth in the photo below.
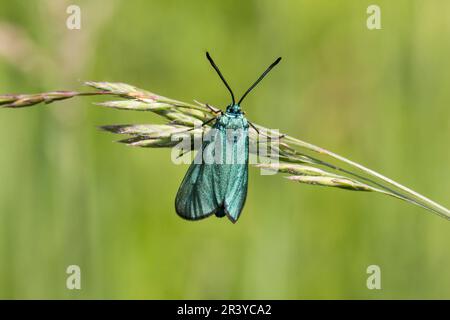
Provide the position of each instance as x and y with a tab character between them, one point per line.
217	180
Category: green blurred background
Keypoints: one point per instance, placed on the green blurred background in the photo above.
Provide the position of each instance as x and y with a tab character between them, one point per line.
70	196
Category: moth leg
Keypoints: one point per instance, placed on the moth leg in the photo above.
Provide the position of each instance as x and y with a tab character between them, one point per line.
205	122
214	110
253	126
183	153
258	132
195	127
211	108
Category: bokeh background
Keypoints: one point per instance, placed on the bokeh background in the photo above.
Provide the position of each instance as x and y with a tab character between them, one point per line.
70	196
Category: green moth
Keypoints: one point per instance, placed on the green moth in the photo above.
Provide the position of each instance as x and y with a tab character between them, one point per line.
217	180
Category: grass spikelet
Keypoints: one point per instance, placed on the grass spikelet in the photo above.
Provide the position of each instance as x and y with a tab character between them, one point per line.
302	161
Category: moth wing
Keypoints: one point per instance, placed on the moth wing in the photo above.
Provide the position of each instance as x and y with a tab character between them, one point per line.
201	192
238	179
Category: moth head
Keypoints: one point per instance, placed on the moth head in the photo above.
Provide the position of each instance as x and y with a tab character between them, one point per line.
234	108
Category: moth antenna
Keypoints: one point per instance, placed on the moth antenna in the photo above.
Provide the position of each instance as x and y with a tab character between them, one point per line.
259	79
220	75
